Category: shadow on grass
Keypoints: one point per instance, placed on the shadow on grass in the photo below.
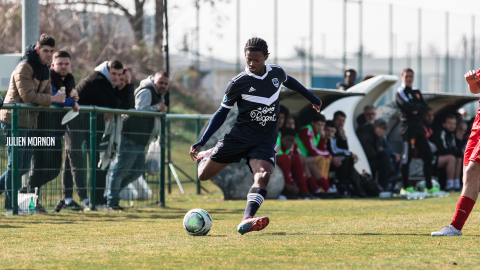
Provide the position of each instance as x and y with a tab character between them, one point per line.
6	226
347	234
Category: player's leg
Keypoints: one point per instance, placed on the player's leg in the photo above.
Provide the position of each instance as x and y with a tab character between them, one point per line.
225	152
405	167
470	188
425	152
448	163
262	170
208	168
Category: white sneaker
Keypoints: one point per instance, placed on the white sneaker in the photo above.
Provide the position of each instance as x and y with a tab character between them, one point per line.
282	198
447	231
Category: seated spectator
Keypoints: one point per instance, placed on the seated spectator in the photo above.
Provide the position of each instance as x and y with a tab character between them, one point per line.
449	156
368	116
350	77
282	115
371	137
297	182
460	132
137	132
312	145
343	160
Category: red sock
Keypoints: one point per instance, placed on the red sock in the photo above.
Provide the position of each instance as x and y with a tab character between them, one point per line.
312	184
298	174
324	183
464	207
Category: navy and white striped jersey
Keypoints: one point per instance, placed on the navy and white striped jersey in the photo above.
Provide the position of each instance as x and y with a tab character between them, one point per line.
257	99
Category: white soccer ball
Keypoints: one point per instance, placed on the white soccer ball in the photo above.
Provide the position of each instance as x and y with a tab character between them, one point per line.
197	222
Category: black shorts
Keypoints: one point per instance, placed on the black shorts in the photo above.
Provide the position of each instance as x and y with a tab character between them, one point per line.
231	150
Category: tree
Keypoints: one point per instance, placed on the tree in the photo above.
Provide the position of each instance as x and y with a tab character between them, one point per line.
136	20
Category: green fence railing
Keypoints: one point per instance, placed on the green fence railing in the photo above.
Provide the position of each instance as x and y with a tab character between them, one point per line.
182	123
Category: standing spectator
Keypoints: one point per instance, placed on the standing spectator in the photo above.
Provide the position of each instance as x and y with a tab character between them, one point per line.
125	90
371	137
412	105
29	83
96	89
450	156
349	77
47	160
138	131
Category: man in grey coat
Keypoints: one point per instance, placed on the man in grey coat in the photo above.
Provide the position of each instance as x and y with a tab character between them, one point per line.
137	132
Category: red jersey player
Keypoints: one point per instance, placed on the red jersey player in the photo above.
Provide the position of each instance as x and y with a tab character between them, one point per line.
471	169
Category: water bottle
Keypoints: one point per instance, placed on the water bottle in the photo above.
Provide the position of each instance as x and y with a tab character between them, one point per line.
31	206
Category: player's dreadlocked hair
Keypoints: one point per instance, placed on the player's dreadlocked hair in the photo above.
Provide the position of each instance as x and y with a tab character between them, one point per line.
256	44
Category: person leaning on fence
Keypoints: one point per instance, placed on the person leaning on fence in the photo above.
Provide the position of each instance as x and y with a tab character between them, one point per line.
96	89
29	83
47	160
137	132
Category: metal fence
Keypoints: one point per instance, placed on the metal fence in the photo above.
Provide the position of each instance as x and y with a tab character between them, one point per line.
127	164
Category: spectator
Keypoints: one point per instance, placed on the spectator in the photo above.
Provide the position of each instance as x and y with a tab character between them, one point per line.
371	137
292	168
369	115
341	137
368	77
311	142
284	114
460	132
427	122
350	77
463	113
47	160
342	161
29	83
96	89
449	156
412	105
138	131
125	90
290	122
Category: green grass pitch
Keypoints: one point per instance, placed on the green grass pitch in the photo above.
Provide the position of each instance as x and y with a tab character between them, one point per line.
334	234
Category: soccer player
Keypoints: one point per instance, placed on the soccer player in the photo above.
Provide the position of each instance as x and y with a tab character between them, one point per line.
253	136
471	170
412	105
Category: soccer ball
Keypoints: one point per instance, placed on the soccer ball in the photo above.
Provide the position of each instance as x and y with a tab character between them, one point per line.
197	222
422	185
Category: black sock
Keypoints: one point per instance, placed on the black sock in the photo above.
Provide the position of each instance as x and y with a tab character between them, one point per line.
255	198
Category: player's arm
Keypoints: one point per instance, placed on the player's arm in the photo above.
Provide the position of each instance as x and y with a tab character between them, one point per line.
294	85
472	79
217	120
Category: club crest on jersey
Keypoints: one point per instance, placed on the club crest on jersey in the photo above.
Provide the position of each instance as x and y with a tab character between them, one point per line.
225	99
275	82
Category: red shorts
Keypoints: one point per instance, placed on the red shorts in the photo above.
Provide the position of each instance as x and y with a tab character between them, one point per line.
472	150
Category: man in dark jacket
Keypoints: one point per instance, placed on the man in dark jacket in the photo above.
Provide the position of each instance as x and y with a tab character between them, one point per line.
137	132
97	89
449	155
412	105
47	160
371	137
